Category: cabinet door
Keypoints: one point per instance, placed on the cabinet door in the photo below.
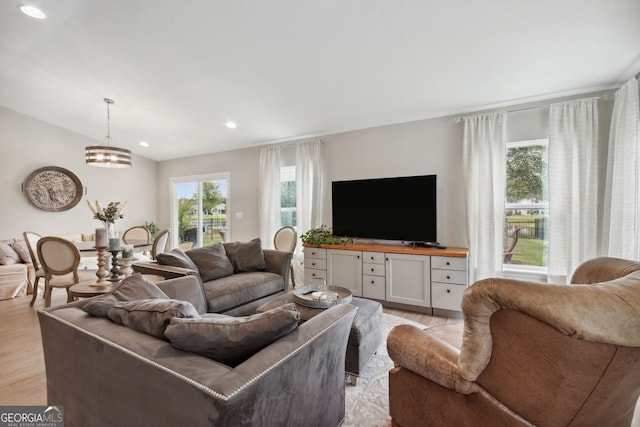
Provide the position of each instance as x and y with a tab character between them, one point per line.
344	268
408	279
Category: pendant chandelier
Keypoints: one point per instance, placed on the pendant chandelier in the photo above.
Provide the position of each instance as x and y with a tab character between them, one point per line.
107	156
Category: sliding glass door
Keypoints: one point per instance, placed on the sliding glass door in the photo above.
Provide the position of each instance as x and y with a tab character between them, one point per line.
199	210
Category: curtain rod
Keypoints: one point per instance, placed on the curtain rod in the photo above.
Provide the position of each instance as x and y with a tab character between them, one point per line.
605	96
289	144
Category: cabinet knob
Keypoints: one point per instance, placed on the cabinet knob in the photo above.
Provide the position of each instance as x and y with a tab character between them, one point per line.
448	277
372	258
373	269
313	274
448	291
372	282
313	263
448	263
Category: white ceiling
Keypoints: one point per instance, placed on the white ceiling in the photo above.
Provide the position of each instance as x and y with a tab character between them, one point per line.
289	69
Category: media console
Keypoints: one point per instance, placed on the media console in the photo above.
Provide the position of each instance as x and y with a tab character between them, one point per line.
408	276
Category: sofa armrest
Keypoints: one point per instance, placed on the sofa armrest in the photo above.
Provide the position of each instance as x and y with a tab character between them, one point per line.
429	356
166	271
299	367
278	262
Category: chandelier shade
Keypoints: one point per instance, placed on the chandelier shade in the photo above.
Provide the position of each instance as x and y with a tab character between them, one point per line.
107	156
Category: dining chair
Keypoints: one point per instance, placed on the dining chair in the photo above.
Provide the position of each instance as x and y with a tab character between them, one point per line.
286	239
31	239
59	259
136	235
160	243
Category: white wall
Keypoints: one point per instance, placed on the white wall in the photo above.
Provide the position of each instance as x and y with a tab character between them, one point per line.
417	148
27	144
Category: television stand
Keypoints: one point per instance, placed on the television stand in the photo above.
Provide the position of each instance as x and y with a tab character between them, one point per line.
436	245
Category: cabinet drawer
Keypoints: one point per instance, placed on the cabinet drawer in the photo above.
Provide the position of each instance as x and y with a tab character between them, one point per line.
373	287
373	257
448	263
315	263
449	276
373	269
314	277
317	253
446	296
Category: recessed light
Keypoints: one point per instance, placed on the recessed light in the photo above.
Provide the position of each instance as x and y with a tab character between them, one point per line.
143	143
32	11
231	125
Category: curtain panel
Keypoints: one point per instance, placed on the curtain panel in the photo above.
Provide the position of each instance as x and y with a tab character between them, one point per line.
484	156
269	205
573	186
621	220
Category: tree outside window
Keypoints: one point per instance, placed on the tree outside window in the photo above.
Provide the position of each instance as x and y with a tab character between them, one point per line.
288	195
527	203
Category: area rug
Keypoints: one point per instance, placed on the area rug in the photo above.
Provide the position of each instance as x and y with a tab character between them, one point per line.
367	403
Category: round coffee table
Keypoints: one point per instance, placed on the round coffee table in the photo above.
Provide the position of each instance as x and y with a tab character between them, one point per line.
88	290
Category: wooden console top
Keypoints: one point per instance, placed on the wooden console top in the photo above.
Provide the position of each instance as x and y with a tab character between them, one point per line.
398	249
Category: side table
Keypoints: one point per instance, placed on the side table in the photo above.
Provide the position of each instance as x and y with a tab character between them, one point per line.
84	290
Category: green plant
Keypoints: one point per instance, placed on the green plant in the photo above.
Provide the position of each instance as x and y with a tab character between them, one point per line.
153	229
323	236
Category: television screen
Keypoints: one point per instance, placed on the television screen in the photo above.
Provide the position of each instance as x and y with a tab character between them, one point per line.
402	208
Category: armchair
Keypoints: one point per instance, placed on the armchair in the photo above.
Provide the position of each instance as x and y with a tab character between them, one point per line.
527	354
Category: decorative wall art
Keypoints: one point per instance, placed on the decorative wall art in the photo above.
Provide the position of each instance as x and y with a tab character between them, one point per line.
53	189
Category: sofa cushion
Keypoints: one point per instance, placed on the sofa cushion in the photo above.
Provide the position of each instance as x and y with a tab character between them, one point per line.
231	340
239	289
134	287
22	250
212	261
187	288
7	255
246	256
176	258
150	316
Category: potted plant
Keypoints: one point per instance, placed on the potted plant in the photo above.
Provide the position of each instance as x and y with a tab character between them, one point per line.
323	236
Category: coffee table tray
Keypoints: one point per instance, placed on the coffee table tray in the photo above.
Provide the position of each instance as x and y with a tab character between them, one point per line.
320	296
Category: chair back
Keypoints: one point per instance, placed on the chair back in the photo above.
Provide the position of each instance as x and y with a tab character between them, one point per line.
31	239
285	239
58	256
160	243
136	235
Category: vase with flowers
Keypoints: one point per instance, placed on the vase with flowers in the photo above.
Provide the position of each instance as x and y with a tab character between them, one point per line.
107	215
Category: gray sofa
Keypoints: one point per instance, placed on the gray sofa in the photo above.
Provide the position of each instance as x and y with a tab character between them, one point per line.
107	374
236	277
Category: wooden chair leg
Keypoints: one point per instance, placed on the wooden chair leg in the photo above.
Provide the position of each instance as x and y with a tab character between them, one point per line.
35	292
47	294
69	296
293	280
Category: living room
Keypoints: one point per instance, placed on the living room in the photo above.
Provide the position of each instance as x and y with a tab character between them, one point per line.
41	126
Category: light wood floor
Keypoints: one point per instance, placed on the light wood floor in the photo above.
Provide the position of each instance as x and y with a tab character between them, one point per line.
22	373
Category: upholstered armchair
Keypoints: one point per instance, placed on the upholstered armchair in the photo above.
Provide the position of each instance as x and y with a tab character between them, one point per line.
526	354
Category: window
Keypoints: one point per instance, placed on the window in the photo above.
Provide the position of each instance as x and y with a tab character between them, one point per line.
288	195
200	206
527	205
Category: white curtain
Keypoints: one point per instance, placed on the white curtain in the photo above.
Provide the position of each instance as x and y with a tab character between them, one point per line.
309	195
484	157
270	218
622	195
573	186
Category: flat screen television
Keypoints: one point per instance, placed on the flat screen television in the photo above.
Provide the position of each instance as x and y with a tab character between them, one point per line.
402	208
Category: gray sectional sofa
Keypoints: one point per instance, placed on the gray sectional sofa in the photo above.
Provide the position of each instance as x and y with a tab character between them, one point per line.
105	373
236	277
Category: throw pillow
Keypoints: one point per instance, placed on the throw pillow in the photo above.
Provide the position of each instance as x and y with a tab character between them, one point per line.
7	255
176	258
232	340
212	261
22	250
150	316
134	287
246	256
